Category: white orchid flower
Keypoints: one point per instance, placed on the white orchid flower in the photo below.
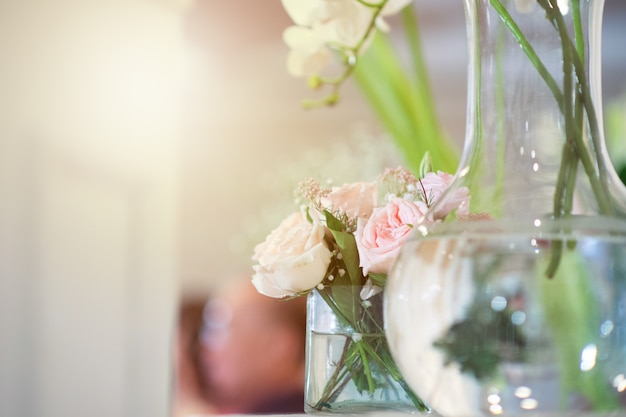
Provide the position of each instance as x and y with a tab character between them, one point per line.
346	22
308	54
323	26
304	12
319	24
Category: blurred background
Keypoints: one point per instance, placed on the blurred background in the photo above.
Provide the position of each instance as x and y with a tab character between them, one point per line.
253	137
146	146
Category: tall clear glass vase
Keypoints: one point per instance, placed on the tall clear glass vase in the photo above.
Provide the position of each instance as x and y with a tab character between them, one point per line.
520	307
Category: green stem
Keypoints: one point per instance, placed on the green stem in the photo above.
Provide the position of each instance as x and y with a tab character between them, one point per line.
329	391
392	369
379	5
501	118
528	50
345	377
366	368
359	358
570	153
563	200
578	30
569	102
350	59
596	173
594	167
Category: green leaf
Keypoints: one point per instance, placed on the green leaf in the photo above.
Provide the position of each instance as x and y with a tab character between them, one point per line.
347	247
350	256
333	223
308	216
426	165
378	279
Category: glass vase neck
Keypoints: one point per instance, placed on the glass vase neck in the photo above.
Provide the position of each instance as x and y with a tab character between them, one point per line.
535	145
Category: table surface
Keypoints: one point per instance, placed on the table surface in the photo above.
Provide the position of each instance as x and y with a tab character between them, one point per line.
375	413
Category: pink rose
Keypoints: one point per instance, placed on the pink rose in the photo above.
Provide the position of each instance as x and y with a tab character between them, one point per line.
292	259
355	200
435	185
380	238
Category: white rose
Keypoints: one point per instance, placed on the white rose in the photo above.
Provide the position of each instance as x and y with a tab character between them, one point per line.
293	258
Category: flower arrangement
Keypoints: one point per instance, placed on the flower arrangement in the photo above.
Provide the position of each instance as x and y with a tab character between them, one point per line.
350	235
347	234
342	241
347	237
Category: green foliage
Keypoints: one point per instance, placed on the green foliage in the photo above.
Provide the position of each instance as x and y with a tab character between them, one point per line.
378	279
478	342
571	314
402	99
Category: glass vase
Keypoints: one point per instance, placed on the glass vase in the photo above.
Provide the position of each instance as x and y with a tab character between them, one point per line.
349	368
520	307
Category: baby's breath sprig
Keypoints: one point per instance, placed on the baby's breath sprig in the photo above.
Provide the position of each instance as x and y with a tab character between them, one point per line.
309	192
399	182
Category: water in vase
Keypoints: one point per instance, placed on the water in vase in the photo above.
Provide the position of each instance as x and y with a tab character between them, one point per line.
479	327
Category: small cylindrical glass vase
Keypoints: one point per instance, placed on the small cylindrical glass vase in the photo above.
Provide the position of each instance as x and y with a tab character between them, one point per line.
349	367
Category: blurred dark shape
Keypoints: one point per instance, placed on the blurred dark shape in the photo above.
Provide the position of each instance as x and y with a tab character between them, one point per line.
253	351
244	354
190	391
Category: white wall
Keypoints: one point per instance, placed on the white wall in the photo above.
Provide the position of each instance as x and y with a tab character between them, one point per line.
89	195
